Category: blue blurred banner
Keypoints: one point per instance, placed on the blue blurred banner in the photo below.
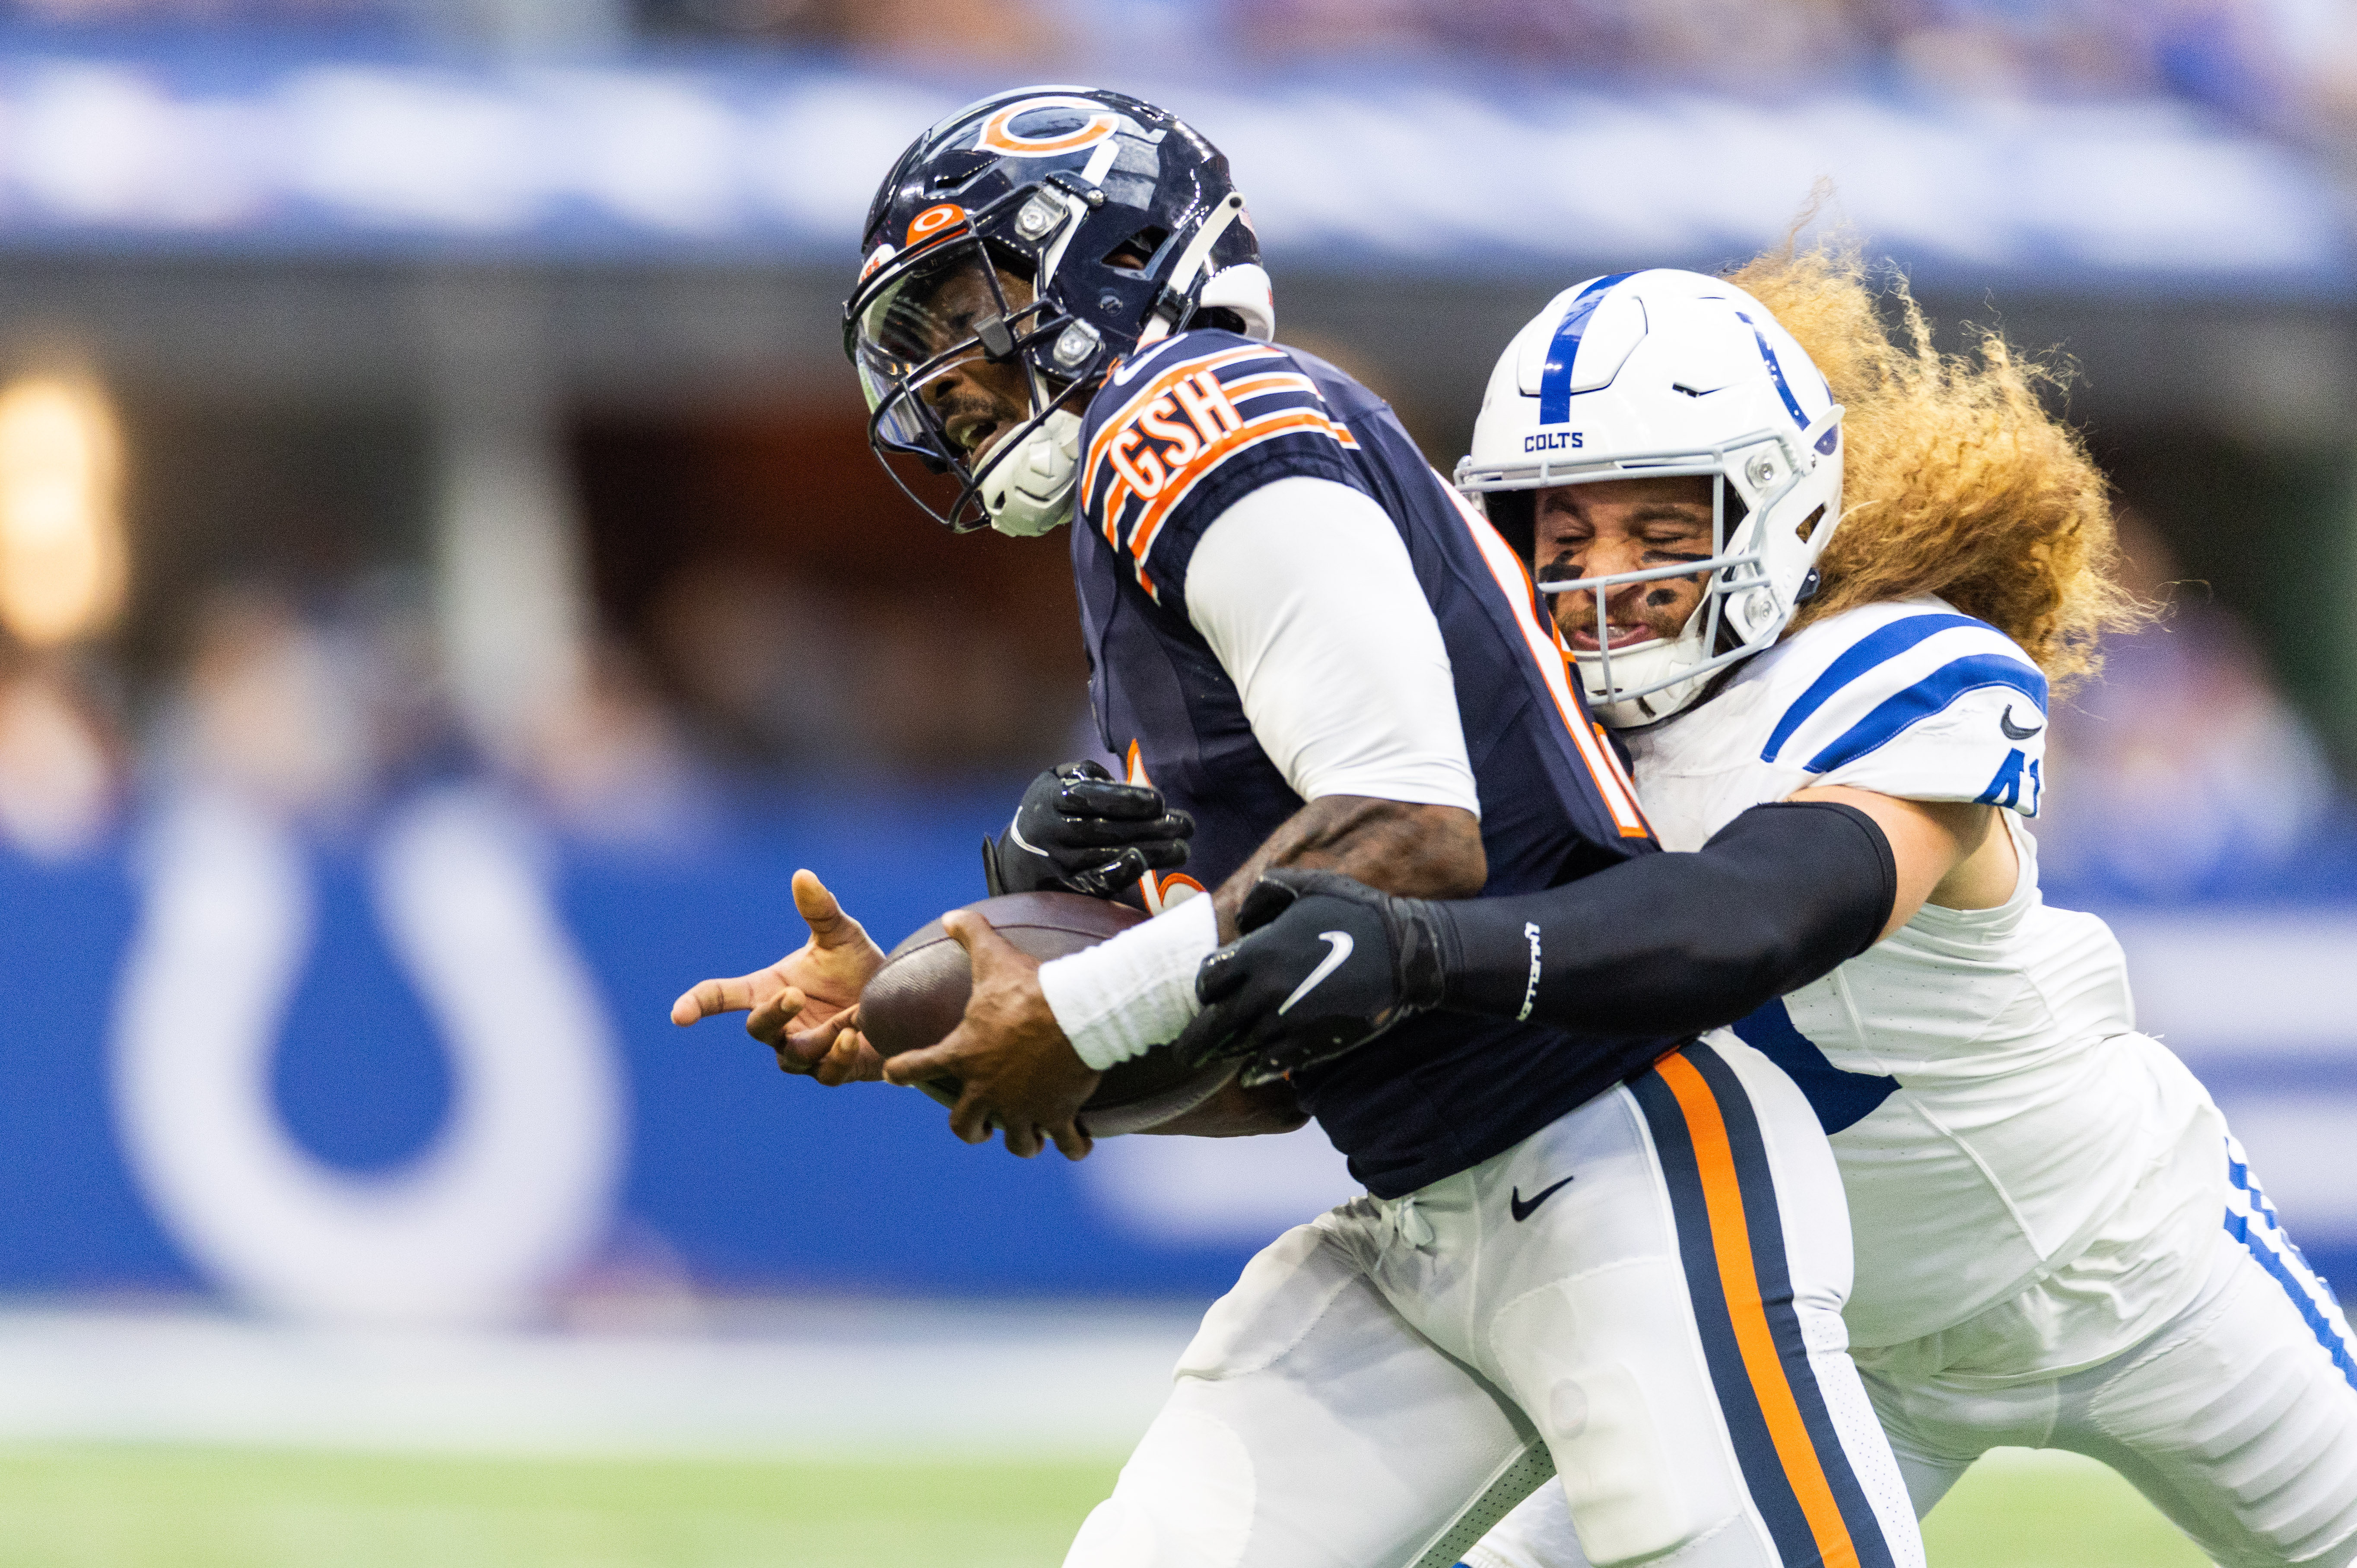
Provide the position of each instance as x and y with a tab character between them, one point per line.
726	158
423	1072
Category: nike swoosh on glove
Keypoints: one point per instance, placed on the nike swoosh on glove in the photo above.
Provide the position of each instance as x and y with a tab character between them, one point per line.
1080	829
1326	964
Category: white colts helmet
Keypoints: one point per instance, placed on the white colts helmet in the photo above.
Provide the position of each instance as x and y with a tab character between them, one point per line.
1652	375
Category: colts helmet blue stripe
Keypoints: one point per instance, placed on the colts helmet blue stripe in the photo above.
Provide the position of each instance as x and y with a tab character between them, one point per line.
1929	697
1776	373
1860	656
1554	382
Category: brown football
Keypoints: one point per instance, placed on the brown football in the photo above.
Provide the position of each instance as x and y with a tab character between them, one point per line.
920	994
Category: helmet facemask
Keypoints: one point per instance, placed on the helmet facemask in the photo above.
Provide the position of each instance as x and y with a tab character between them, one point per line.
1762	497
967	374
1023	246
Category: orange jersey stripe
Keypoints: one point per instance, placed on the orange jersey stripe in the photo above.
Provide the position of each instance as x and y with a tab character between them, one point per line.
1261	381
1244	437
1730	1235
1161	382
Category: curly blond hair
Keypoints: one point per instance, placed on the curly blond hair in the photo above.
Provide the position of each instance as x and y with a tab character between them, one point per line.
1956	480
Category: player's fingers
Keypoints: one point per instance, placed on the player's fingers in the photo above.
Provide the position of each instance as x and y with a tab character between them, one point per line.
803	1050
1122	802
971	1119
1100	832
933	1061
1104	881
1263	902
1223	973
823	912
1022	1140
983	944
772	1021
709	998
1165	855
1071	1142
851	1061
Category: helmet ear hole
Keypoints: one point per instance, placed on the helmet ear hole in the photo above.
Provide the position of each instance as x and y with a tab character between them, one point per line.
1137	254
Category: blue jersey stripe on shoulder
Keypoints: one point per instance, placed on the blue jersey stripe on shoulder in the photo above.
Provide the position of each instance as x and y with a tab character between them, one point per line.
1554	381
1929	697
1886	642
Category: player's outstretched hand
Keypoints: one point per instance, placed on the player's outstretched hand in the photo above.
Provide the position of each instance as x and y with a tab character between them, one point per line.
1326	964
805	1006
1018	1070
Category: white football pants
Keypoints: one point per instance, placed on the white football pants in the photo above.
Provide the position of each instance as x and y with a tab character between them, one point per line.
2238	1419
1650	1287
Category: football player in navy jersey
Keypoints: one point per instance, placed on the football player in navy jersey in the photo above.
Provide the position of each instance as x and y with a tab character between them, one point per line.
1303	639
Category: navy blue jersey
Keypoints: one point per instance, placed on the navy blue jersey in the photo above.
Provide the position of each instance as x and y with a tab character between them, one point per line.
1175	437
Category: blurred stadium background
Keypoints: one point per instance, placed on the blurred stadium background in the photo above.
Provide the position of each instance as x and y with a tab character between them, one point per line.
446	592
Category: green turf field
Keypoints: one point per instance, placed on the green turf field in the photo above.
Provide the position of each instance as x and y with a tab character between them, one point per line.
189	1508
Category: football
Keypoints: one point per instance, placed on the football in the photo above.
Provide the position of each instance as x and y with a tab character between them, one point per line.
920	994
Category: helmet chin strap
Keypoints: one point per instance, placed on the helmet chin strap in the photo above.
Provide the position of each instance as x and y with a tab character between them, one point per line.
1191	262
1657	661
1029	491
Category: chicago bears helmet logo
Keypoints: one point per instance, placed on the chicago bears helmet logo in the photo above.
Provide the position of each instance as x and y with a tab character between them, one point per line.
933	220
999	136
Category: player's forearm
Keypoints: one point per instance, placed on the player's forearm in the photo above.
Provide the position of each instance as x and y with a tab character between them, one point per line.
1398	846
1672	944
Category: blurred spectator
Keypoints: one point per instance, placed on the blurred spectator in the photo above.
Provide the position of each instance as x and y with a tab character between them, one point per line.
248	13
271	709
781	671
2182	769
1733	42
987	32
606	760
60	763
805	616
759	655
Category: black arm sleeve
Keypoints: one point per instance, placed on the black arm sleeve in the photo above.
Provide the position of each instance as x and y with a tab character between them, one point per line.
1678	943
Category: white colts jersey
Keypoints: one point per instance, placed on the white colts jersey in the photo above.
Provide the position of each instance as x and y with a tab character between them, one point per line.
2031	1184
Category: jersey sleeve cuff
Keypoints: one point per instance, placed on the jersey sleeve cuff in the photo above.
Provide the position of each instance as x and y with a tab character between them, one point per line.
1436	784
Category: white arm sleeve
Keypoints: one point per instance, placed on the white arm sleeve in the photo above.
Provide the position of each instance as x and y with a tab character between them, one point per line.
1305	592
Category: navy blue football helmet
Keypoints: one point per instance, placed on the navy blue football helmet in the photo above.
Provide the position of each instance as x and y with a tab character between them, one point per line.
1017	252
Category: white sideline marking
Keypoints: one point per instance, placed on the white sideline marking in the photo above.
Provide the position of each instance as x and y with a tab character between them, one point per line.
857	1382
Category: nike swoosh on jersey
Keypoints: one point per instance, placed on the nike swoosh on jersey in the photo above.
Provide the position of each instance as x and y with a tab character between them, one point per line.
1525	1211
1342	943
2014	731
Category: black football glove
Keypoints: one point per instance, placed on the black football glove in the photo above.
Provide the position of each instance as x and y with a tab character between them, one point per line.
1079	830
1326	964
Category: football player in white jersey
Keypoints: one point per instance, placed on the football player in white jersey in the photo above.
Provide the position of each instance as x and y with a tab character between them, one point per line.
2058	1244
